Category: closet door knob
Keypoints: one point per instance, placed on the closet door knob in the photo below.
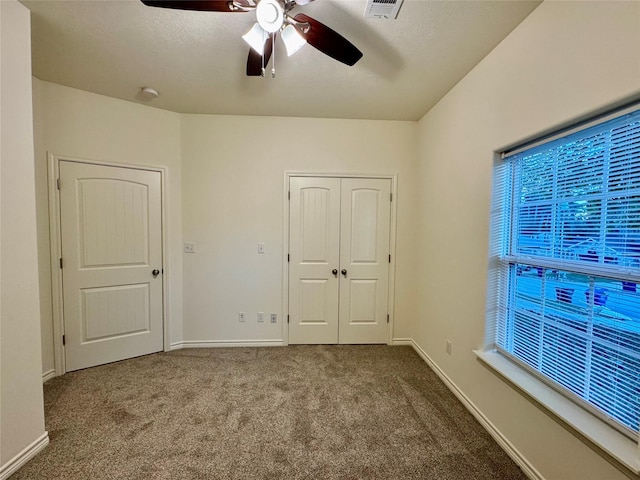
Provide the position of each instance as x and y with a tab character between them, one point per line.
335	271
344	272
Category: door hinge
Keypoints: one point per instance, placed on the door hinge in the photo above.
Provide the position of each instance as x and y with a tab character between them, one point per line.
58	183
288	257
387	318
287	318
64	341
391	197
289	194
60	262
389	258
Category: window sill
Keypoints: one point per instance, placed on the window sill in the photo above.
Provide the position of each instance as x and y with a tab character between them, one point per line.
609	441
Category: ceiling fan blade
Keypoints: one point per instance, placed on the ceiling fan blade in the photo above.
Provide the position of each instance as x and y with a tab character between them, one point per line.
329	41
199	5
255	62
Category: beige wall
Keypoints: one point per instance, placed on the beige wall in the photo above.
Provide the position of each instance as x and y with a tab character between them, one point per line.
226	194
233	191
21	404
77	124
565	60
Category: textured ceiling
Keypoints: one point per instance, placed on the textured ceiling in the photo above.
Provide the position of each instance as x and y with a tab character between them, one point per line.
196	60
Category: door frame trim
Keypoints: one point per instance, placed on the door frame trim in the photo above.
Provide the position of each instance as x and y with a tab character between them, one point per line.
392	243
55	250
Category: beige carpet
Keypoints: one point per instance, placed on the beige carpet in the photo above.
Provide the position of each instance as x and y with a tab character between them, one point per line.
298	412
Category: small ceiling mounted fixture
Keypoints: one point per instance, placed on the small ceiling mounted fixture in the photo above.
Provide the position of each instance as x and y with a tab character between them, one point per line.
148	93
274	17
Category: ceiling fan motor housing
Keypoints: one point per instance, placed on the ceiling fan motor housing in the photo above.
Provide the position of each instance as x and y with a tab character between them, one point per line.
270	15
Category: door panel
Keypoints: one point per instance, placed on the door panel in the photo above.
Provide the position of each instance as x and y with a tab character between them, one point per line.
312	301
363	227
315	228
314	233
111	230
114	224
109	312
362	301
364	254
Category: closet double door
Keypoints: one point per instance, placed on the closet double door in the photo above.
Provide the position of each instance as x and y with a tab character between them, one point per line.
339	260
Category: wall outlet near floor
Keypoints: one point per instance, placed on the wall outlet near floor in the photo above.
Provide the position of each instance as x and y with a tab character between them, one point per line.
189	247
274	318
448	347
260	316
241	316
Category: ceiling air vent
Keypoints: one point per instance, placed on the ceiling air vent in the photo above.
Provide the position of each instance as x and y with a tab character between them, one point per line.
387	9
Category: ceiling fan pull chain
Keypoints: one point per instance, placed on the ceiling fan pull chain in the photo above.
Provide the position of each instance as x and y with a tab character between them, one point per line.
262	64
273	48
262	60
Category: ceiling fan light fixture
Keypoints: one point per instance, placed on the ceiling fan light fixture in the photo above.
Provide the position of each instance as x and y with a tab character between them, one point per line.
292	39
256	38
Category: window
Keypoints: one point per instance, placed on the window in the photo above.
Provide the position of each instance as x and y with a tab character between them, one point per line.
565	265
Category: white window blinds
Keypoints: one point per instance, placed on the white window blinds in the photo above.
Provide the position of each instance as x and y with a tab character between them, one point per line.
578	198
564	295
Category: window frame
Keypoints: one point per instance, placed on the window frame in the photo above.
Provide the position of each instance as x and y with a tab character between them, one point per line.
572	409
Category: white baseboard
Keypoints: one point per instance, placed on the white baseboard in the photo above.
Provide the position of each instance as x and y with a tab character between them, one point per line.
251	343
225	343
48	375
526	467
24	456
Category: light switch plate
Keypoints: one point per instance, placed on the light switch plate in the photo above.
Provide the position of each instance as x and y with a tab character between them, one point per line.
189	247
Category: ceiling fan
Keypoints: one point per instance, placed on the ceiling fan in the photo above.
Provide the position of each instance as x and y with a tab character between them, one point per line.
274	17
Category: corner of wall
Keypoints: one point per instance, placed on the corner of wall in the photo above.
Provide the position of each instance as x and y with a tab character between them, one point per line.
22	414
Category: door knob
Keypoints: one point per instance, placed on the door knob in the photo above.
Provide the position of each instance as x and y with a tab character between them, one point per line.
335	271
155	273
344	272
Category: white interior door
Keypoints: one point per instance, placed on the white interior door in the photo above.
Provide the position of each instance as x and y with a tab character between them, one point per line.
364	260
111	235
314	254
339	260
